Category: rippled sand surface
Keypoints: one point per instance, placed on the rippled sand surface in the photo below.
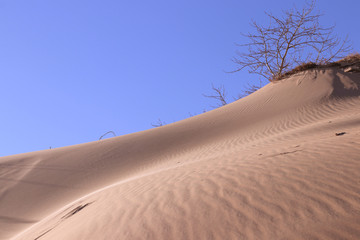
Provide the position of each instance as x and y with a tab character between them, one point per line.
282	163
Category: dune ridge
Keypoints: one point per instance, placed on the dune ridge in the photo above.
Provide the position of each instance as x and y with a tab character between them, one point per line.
269	166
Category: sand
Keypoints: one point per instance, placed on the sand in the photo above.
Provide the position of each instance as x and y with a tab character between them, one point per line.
282	163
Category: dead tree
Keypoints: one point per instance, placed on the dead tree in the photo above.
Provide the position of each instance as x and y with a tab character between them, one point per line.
290	40
219	95
249	89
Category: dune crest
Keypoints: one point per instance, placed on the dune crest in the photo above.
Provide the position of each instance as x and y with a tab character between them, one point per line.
282	163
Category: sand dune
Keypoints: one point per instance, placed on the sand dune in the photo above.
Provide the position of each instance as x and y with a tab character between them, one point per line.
269	166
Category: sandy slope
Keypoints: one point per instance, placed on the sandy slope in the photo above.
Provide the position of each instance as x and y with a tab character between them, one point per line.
268	166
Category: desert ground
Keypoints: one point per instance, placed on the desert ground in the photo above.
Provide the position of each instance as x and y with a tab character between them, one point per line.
281	163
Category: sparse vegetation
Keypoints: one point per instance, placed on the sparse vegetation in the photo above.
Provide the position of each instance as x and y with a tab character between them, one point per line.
302	67
351	58
249	89
292	43
159	123
219	95
346	61
296	38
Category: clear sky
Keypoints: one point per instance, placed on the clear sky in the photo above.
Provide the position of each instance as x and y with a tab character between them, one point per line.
71	70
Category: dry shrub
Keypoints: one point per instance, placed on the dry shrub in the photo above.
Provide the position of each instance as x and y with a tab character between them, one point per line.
350	59
300	68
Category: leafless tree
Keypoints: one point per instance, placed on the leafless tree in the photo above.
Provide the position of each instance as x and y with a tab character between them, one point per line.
249	89
219	95
288	41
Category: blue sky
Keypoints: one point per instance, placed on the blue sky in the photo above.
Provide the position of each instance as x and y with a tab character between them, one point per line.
73	70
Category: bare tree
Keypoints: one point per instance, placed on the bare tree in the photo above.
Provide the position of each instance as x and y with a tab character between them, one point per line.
288	41
219	95
249	89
